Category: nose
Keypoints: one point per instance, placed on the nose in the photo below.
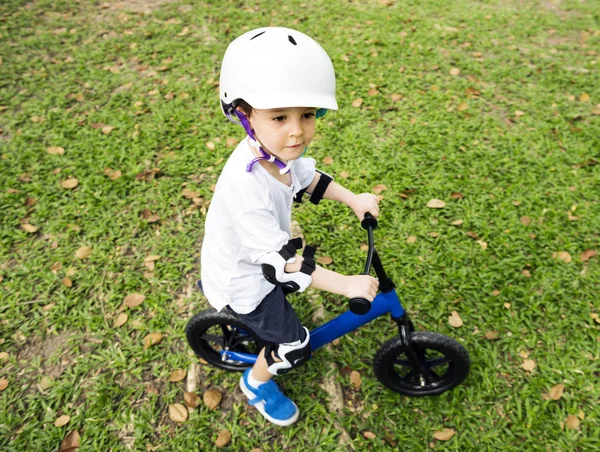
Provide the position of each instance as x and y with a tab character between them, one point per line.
296	129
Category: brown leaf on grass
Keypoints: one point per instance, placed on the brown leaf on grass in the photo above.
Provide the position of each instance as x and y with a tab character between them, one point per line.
454	71
29	228
62	420
364	247
369	435
526	221
3	384
177	375
587	255
324	260
377	189
223	439
120	320
67	282
212	398
455	320
456	195
178	412
410	239
482	244
563	256
492	335
55	150
556	392
495	293
355	379
436	204
45	382
328	160
444	434
357	102
112	174
191	399
526	273
572	422
70	443
69	183
584	97
210	145
149	216
148	175
83	252
344	175
457	222
462	106
3	356
107	129
528	365
396	97
519	113
134	299
231	142
152	339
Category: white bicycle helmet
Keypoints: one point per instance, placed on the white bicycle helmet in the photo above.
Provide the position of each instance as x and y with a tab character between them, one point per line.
274	67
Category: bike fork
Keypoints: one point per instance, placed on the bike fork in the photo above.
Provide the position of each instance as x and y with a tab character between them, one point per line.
406	328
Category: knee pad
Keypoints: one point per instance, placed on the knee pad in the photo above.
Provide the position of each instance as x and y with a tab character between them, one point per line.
291	354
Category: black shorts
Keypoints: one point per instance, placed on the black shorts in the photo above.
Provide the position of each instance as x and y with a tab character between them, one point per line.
274	319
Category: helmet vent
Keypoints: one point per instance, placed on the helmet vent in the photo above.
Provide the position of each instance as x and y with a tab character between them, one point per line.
256	36
292	40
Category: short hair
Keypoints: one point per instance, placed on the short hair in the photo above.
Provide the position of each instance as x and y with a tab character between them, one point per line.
245	106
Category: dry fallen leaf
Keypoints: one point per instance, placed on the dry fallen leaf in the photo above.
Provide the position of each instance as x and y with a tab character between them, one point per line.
3	355
191	399
454	71
45	382
519	113
462	106
572	422
55	150
563	256
324	260
557	391
528	365
492	335
212	398
526	273
70	443
357	102
133	300
230	142
587	255
411	239
62	420
396	97
107	129
526	221
69	183
436	204
369	435
178	412
152	339
455	320
584	97
120	320
377	189
3	384
83	252
177	375
456	195
457	222
482	244
328	160
223	439
444	434
355	379
67	282
210	145
29	228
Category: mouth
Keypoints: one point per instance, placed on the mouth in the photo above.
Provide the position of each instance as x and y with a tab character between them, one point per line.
295	146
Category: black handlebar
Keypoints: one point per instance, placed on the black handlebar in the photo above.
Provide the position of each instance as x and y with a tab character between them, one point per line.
359	305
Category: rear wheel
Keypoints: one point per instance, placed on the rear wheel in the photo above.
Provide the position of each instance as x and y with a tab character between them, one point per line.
444	360
209	332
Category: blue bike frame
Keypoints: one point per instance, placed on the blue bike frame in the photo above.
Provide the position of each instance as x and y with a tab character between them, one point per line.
383	303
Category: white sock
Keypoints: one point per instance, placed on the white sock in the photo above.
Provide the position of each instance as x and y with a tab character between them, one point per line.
254	382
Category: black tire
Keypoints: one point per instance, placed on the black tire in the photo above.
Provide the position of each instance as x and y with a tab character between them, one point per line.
446	362
209	331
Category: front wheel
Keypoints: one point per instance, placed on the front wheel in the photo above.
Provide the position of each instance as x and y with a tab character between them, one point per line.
210	331
444	360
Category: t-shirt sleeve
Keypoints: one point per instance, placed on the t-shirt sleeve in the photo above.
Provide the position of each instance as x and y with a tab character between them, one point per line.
259	233
304	168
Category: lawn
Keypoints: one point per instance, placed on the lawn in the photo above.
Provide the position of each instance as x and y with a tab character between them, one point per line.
111	140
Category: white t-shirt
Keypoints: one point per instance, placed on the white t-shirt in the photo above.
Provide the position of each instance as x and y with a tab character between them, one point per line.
249	216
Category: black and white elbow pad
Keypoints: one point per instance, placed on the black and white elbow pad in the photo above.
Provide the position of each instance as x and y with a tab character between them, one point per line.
273	267
319	191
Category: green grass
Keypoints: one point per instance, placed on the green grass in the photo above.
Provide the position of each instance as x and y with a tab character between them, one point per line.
78	64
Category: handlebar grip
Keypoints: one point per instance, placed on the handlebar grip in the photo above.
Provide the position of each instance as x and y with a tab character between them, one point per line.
359	306
369	221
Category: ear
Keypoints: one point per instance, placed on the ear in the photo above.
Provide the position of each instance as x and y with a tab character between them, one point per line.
248	116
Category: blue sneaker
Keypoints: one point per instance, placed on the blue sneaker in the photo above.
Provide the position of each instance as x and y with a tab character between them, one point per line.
270	401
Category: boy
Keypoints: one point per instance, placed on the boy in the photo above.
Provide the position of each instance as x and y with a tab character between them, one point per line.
276	82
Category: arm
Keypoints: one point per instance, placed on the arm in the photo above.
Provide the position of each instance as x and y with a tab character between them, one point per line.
360	204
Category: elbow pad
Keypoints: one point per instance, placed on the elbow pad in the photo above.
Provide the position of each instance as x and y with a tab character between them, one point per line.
319	191
273	267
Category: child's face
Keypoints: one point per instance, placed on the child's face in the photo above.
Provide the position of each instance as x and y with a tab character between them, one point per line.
284	132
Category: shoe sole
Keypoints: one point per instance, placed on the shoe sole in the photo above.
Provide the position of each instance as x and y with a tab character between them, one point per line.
260	407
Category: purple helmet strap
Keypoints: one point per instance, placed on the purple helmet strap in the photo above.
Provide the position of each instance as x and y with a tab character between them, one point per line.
283	167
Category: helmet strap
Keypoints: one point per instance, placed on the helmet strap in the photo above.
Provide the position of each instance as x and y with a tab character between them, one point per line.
284	168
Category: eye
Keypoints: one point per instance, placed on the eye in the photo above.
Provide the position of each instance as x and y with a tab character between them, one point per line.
308	115
279	118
